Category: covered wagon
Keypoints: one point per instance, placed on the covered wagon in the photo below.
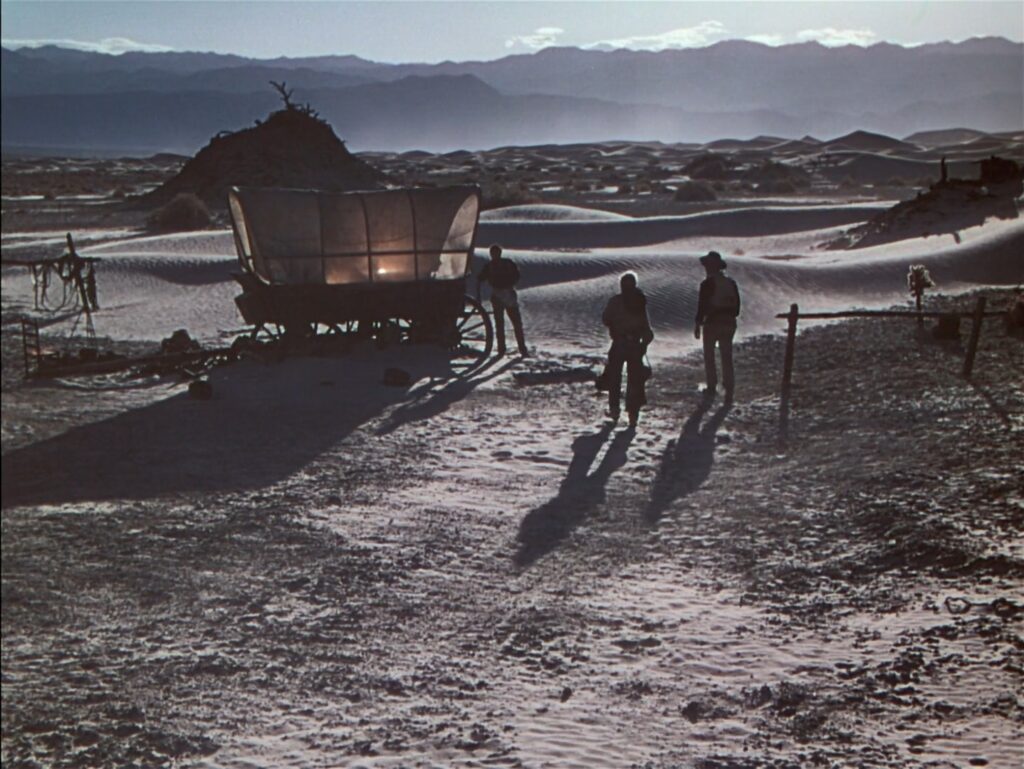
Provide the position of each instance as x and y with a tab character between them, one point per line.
392	264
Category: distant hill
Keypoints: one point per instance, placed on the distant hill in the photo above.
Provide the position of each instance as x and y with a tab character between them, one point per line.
735	88
947	136
868	142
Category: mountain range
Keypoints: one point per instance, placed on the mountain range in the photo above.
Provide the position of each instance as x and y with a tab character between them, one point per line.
143	102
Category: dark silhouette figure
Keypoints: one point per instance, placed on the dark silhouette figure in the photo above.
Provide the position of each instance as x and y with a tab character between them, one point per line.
718	306
625	315
687	461
578	496
503	275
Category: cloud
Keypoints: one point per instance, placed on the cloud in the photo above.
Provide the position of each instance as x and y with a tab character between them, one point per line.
765	39
835	37
110	45
542	37
686	37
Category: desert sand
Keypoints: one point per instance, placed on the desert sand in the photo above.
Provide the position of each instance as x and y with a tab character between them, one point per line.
311	569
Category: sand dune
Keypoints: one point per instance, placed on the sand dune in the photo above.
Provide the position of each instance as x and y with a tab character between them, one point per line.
871	168
570	264
308	526
549	213
622	233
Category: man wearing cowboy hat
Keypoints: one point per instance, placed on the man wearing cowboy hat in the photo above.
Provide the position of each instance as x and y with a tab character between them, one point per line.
718	306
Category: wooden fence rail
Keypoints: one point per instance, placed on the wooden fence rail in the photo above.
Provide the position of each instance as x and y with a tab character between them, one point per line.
977	315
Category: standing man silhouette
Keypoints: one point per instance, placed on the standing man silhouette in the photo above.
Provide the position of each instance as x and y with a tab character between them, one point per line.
625	315
503	275
718	306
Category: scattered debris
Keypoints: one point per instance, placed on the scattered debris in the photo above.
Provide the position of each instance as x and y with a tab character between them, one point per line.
179	341
556	376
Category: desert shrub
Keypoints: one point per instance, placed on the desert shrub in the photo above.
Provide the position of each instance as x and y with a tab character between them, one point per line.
502	195
625	188
769	170
896	181
849	183
694	192
707	167
776	187
581	185
184	212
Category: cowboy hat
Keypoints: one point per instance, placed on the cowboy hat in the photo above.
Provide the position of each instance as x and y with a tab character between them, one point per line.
713	259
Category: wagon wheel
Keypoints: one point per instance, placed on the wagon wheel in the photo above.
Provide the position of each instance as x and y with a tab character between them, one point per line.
473	334
391	332
340	329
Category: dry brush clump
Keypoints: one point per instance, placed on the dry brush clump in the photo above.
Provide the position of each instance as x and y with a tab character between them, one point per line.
709	166
694	192
292	147
502	195
776	187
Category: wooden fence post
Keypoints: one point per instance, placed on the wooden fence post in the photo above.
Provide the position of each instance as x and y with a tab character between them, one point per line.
972	345
787	372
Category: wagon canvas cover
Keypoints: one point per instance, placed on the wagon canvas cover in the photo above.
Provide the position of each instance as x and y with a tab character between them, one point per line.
307	237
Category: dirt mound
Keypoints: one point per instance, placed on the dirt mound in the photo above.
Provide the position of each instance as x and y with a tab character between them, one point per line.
946	208
291	148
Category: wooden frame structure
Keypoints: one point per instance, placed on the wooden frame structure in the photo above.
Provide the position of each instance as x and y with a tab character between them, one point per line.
794	315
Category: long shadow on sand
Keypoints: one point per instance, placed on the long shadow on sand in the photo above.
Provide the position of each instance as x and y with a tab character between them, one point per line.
579	495
438	394
264	423
687	461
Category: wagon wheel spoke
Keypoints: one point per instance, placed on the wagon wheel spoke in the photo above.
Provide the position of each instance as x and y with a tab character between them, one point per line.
474	335
267	332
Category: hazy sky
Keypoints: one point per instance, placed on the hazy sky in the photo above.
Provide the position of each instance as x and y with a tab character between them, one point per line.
430	31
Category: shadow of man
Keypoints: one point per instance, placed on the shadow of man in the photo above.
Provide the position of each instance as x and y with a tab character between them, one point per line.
687	461
429	400
579	494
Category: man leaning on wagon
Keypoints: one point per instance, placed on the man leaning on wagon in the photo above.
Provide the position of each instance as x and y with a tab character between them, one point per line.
502	274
